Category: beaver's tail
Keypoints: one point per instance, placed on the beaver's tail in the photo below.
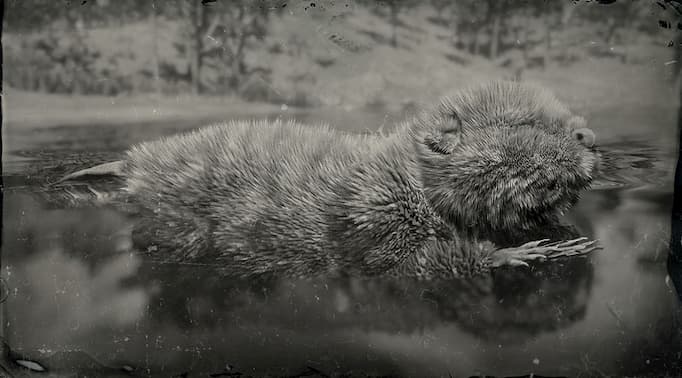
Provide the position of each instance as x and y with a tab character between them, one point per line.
96	186
114	168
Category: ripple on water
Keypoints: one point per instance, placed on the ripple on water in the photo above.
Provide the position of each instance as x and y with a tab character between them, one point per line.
76	283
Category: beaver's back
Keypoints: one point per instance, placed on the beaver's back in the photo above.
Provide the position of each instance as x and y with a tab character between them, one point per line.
229	184
240	155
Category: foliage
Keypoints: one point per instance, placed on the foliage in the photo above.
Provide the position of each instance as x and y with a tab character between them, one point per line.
236	46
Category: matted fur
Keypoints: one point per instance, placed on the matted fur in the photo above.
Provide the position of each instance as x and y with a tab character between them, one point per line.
261	196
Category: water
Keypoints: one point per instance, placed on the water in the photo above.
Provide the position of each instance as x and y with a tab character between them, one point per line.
79	299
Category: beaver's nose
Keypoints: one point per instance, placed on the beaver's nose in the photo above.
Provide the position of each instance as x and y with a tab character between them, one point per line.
585	136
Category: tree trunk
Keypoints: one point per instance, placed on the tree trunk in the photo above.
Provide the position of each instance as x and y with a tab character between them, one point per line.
77	88
236	72
476	42
548	42
236	64
495	32
524	44
566	12
194	45
610	31
155	48
394	24
520	63
628	25
454	27
28	81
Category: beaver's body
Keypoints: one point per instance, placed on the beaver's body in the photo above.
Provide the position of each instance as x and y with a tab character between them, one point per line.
260	197
271	195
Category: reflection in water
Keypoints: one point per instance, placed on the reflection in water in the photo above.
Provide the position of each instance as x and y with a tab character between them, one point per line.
675	257
75	282
524	304
674	260
512	305
81	297
630	163
101	298
64	269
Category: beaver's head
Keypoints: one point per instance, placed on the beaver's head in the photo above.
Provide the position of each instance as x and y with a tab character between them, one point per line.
503	156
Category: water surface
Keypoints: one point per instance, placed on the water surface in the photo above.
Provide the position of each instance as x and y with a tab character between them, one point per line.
79	298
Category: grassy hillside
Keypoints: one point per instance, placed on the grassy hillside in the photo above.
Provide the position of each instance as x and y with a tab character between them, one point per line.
341	59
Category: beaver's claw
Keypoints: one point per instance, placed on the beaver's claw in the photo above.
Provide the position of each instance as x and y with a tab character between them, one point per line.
537	250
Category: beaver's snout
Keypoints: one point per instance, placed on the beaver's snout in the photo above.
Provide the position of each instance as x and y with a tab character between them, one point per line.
585	136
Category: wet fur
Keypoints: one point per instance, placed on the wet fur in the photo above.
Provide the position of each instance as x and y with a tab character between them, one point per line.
281	196
259	197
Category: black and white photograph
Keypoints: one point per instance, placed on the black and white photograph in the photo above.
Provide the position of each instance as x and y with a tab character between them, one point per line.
341	188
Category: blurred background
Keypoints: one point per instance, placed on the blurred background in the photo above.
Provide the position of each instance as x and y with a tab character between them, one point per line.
83	80
126	60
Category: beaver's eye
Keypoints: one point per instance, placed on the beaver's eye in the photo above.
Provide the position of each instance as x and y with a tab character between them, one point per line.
584	136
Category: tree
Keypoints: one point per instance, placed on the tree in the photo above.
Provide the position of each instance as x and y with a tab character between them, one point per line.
550	13
496	9
236	27
617	22
220	33
394	8
193	12
155	48
473	14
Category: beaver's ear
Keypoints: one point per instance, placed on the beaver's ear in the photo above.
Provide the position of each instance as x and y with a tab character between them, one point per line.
445	135
576	122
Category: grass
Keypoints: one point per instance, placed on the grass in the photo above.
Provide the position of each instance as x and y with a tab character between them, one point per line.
344	62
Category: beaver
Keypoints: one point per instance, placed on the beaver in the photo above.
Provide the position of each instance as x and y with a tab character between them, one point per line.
257	197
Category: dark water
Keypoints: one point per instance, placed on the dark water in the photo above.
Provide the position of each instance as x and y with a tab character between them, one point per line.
79	299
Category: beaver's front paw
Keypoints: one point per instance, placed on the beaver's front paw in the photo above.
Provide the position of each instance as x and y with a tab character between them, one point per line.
537	250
